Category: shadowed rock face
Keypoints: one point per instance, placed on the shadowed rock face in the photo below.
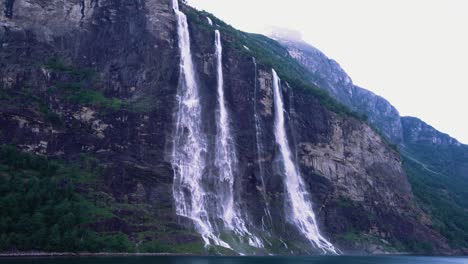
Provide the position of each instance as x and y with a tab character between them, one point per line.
129	50
8	9
124	54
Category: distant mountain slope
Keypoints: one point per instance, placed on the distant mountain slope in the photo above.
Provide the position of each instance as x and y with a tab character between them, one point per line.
436	164
437	167
437	150
417	131
327	74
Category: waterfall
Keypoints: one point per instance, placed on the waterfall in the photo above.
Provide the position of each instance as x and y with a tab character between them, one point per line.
260	148
189	158
301	208
226	159
190	143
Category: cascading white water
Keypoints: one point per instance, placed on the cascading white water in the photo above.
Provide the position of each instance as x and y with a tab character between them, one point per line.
226	160
260	148
301	208
189	157
209	21
190	143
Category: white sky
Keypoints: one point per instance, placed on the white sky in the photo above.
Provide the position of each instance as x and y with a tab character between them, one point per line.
412	52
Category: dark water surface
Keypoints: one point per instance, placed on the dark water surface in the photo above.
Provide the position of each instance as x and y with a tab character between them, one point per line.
238	260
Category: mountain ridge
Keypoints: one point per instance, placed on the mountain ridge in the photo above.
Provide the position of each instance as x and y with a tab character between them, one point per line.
339	84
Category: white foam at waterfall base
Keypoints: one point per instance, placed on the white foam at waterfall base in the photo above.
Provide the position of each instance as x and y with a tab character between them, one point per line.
226	158
301	208
190	143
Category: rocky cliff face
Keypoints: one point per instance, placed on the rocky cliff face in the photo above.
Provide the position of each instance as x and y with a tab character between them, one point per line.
361	174
99	79
418	132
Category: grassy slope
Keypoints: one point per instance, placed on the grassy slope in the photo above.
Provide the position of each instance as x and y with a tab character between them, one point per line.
440	190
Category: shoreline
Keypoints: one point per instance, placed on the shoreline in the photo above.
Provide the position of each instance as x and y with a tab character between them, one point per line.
116	254
83	254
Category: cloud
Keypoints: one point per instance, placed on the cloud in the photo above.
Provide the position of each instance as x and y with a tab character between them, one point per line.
284	33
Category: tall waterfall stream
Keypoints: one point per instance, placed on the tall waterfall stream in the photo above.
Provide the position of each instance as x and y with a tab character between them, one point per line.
189	159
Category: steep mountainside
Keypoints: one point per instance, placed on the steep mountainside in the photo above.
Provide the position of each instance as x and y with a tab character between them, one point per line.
436	164
91	94
327	74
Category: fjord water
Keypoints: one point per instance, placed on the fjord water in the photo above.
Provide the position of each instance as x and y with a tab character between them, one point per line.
240	260
190	143
301	209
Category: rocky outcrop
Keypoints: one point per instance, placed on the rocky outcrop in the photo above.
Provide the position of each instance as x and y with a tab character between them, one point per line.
418	132
99	78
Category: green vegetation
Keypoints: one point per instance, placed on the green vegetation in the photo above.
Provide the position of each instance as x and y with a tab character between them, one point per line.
417	246
271	54
52	205
394	147
443	196
352	236
72	84
41	209
25	98
355	237
345	202
75	86
446	159
57	64
154	246
81	96
161	247
51	117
